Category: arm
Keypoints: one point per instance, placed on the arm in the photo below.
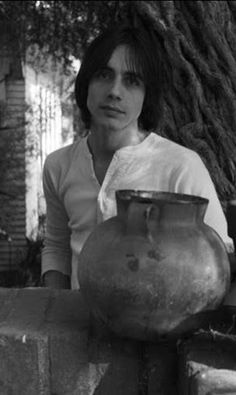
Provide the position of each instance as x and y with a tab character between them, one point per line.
56	254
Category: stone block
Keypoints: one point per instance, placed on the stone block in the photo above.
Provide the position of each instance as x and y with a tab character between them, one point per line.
24	363
43	341
24	309
24	366
162	369
202	359
210	381
119	359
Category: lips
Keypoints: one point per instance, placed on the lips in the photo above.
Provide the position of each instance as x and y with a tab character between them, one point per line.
112	109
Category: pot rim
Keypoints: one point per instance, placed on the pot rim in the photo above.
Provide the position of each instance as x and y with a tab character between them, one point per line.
146	196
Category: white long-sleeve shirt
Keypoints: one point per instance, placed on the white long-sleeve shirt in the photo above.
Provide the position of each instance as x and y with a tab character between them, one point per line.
76	202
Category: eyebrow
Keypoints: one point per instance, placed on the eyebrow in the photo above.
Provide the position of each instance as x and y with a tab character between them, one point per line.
135	74
127	72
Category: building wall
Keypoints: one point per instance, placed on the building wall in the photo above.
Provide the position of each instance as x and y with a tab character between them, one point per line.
13	208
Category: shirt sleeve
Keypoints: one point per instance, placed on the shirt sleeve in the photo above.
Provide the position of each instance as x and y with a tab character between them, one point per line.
56	254
193	178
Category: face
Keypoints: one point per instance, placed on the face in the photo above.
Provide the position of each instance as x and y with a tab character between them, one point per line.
116	94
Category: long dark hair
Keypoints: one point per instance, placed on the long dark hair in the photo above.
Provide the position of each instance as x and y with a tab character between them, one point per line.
145	59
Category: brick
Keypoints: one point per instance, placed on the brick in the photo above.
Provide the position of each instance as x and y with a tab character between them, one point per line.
17	84
16	101
16	92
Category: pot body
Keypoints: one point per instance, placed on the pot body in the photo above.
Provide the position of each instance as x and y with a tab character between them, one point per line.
147	271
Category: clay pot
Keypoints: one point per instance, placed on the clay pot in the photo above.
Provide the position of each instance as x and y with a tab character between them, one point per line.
149	270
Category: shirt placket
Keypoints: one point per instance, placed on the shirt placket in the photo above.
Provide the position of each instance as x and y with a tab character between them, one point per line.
106	201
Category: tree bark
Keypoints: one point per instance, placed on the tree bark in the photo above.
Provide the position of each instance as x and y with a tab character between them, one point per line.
198	49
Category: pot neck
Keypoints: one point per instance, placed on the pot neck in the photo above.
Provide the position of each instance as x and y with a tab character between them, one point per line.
139	208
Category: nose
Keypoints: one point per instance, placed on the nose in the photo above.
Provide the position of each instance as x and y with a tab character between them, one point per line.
115	91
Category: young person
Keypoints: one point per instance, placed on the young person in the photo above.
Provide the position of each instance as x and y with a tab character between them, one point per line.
118	91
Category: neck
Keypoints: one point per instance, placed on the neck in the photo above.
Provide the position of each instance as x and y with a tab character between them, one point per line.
104	143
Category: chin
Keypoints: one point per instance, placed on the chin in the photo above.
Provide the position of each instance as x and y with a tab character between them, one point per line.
112	125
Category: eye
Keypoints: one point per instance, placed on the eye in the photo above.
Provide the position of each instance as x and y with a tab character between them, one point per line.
103	74
133	80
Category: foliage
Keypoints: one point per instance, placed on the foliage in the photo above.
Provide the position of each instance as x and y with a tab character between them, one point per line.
29	268
61	28
27	272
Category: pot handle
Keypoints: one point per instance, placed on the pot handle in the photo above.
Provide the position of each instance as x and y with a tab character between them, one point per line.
152	217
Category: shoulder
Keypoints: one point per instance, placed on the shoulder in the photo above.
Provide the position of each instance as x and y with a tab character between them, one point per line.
174	152
58	163
63	153
63	157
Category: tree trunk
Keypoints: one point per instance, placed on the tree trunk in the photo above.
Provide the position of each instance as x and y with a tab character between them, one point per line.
198	47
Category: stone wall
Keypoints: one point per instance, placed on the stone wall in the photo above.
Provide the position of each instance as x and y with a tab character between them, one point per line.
50	345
